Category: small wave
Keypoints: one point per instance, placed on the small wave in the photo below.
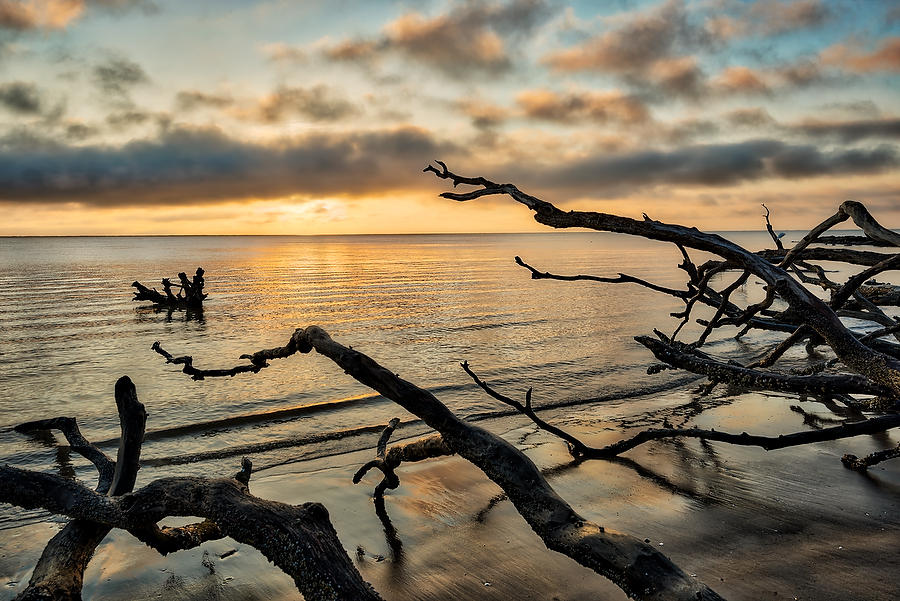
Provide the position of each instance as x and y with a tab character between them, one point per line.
309	439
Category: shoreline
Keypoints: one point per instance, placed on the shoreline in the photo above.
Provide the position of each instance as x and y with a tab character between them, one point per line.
751	524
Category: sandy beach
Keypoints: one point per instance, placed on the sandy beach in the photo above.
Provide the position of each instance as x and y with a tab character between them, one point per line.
787	524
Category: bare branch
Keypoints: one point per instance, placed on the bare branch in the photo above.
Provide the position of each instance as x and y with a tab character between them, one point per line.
78	443
855	463
686	357
621	279
576	447
775	238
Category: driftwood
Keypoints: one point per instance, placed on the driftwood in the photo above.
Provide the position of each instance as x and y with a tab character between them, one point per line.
301	540
59	573
190	292
880	370
636	567
298	539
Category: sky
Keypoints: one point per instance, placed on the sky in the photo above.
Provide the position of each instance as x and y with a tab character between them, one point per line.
277	117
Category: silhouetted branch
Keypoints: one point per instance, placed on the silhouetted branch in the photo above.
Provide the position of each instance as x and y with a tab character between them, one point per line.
620	279
881	369
775	238
636	567
190	294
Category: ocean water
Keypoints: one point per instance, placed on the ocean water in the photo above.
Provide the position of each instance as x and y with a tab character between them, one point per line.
419	304
803	526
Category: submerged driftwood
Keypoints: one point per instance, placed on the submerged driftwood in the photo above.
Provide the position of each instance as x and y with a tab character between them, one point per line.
190	293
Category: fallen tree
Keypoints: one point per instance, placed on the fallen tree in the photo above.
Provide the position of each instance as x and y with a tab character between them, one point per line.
190	293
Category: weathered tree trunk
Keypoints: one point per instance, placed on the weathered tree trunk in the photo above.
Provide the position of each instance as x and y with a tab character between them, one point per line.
59	574
298	539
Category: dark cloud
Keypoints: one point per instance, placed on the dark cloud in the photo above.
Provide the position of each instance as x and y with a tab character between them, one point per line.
319	103
704	165
188	100
688	130
571	107
185	165
750	117
850	131
118	75
809	161
470	38
857	108
80	131
126	119
20	97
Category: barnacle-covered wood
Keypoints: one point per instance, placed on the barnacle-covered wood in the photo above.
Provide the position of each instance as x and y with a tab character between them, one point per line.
862	464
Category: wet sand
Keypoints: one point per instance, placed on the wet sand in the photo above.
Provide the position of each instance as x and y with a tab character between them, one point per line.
786	524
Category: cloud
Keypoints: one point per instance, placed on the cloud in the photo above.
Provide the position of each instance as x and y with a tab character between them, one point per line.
484	115
20	97
280	52
570	107
189	100
187	165
39	14
774	17
884	58
652	50
750	117
126	119
318	103
192	165
635	45
740	80
809	161
681	76
21	15
704	165
118	75
470	38
849	131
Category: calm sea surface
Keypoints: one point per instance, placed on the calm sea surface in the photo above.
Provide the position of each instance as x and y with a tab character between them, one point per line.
419	304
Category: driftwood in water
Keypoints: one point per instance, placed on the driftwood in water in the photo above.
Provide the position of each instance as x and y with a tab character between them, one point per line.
880	370
298	539
635	566
190	293
59	573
